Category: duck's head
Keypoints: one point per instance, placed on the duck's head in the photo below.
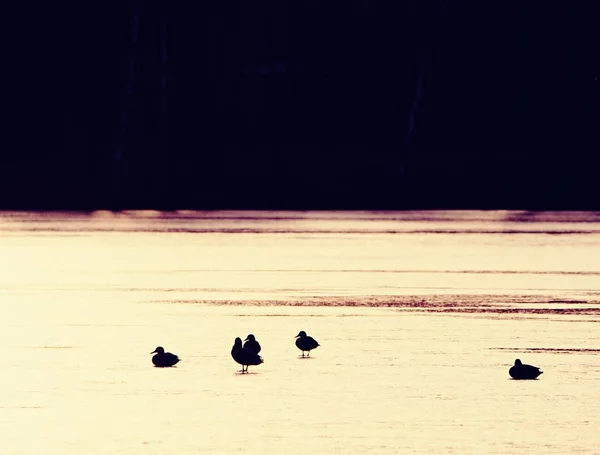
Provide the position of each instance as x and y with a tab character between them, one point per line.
518	363
238	342
250	338
302	334
158	350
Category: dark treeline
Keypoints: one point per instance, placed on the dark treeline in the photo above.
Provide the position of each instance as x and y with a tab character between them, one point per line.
299	104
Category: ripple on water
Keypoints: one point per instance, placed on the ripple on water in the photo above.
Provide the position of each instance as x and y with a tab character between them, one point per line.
551	350
462	304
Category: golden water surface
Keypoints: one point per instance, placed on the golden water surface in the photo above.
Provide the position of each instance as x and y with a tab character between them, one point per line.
419	316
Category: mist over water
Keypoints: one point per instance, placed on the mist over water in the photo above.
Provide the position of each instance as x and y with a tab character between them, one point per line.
419	316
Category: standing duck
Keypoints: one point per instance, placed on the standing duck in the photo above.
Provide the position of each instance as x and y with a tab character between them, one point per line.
521	371
163	359
306	343
245	357
252	344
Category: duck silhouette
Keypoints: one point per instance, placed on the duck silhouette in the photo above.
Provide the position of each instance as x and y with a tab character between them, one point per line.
252	344
306	343
245	357
521	371
163	359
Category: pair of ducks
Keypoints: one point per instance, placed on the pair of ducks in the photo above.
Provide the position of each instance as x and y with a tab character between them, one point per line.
245	355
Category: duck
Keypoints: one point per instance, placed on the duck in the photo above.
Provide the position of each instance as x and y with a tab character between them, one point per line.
244	356
521	371
164	359
252	344
305	343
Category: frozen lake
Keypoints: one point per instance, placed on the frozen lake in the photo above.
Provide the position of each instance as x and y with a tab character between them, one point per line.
419	316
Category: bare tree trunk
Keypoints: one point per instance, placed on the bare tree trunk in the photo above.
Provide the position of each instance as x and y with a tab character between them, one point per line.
117	168
160	175
414	108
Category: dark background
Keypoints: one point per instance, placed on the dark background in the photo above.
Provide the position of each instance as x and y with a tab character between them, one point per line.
302	104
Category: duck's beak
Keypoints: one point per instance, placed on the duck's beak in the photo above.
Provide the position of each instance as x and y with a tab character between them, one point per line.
246	339
153	352
297	336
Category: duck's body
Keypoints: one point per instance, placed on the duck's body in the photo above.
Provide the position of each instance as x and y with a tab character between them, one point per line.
252	344
306	343
245	357
521	371
164	359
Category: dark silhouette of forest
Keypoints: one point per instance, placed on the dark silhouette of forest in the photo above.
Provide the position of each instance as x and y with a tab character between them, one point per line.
310	104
